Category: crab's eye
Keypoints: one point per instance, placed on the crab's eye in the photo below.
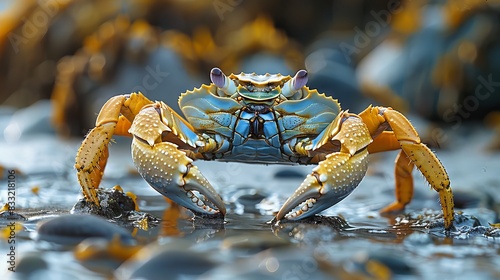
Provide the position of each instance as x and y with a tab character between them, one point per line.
217	77
220	80
296	83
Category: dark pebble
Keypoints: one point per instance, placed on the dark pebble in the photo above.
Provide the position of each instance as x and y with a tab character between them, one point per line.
114	204
464	199
254	241
386	260
11	216
102	256
288	174
72	229
250	201
30	263
168	264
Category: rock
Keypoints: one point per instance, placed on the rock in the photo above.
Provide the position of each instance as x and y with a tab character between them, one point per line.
72	229
433	219
113	204
10	216
288	174
103	256
253	241
29	121
382	264
165	262
31	262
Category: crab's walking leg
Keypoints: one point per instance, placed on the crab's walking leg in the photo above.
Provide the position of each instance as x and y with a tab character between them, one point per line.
114	118
336	176
404	183
387	141
413	153
165	166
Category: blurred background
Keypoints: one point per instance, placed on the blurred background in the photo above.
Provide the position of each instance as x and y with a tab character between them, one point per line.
436	61
62	59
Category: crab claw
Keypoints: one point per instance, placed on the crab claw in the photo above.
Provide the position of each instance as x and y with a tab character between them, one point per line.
295	84
170	172
307	201
167	168
330	182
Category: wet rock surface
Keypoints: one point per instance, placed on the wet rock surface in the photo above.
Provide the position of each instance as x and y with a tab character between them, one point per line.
351	240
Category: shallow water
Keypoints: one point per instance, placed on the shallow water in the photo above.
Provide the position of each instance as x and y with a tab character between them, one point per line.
352	240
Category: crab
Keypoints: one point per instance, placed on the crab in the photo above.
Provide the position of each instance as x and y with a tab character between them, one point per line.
253	118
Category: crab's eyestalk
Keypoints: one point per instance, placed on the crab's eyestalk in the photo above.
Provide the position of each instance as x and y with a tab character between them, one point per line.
295	84
225	84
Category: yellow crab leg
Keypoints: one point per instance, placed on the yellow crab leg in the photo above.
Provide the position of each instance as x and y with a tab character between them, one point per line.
122	127
404	183
92	155
417	153
385	141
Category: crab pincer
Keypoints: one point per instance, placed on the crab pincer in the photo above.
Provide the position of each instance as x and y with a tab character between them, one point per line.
169	170
336	176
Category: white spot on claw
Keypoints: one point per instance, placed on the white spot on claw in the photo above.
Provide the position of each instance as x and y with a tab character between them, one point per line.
182	169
